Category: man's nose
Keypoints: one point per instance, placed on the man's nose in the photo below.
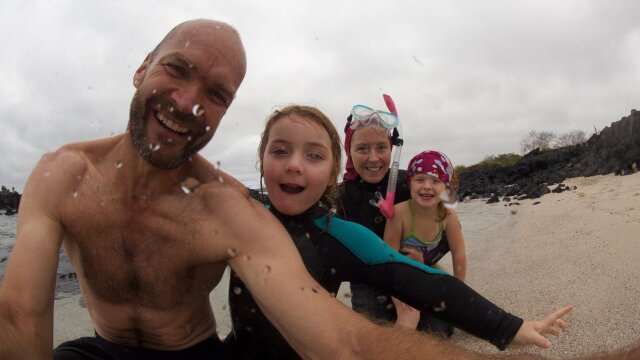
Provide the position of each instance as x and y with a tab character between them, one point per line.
187	99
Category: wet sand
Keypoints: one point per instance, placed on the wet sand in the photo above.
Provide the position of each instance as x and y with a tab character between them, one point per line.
578	247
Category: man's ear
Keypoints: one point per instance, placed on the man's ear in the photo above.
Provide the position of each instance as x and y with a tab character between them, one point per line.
138	76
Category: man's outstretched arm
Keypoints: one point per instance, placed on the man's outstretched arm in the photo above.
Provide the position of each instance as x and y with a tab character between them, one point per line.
27	291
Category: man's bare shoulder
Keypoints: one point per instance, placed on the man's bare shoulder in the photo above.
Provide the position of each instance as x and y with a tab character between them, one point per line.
214	177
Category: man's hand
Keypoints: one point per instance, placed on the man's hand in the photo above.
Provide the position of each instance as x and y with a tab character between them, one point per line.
535	332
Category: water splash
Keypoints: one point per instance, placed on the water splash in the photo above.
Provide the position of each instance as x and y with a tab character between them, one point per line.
197	110
440	308
449	198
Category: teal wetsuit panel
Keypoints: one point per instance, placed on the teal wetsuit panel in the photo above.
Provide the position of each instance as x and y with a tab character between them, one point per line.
366	245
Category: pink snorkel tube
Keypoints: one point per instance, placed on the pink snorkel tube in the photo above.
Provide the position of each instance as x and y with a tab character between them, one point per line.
386	204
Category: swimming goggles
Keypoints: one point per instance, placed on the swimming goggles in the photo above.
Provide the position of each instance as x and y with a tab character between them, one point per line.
364	116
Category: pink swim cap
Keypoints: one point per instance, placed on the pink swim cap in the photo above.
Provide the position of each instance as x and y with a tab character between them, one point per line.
432	163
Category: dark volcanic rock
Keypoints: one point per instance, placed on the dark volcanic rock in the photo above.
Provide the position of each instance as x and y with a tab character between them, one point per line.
9	201
616	149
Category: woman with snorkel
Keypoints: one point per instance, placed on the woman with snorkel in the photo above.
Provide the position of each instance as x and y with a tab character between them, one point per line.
370	189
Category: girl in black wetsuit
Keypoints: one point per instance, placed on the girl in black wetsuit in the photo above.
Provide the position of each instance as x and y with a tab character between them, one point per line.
300	161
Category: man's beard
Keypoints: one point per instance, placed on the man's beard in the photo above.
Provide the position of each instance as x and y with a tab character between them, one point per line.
149	152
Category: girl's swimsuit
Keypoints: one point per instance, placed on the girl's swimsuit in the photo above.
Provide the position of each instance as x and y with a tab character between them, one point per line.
432	251
335	251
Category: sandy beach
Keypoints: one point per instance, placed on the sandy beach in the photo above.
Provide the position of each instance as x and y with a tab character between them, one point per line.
579	247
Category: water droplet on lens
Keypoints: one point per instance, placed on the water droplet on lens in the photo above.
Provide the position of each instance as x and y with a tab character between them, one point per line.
197	110
171	108
118	164
207	129
440	308
237	290
189	138
307	235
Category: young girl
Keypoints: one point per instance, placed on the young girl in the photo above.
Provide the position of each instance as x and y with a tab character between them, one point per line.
300	161
422	228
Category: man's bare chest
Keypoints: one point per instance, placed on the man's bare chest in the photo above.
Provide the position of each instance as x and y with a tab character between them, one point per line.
136	250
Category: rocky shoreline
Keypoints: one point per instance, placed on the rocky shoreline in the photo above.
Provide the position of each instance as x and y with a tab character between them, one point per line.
9	201
616	149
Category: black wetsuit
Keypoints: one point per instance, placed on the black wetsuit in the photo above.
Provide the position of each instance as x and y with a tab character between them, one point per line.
335	251
356	197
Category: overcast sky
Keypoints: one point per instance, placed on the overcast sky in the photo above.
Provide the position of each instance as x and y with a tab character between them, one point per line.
470	78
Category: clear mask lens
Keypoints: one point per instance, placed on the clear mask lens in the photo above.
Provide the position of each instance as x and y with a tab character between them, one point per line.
364	116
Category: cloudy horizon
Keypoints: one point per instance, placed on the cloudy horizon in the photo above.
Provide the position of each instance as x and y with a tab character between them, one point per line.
469	78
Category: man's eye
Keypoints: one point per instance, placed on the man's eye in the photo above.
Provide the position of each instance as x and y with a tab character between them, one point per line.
217	97
176	70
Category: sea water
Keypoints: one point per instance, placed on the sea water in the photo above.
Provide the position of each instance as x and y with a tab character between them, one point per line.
66	281
476	218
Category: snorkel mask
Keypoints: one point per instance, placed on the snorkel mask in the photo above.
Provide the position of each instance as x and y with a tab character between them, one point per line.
362	116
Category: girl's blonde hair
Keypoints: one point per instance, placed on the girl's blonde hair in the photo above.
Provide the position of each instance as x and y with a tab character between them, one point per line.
313	114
